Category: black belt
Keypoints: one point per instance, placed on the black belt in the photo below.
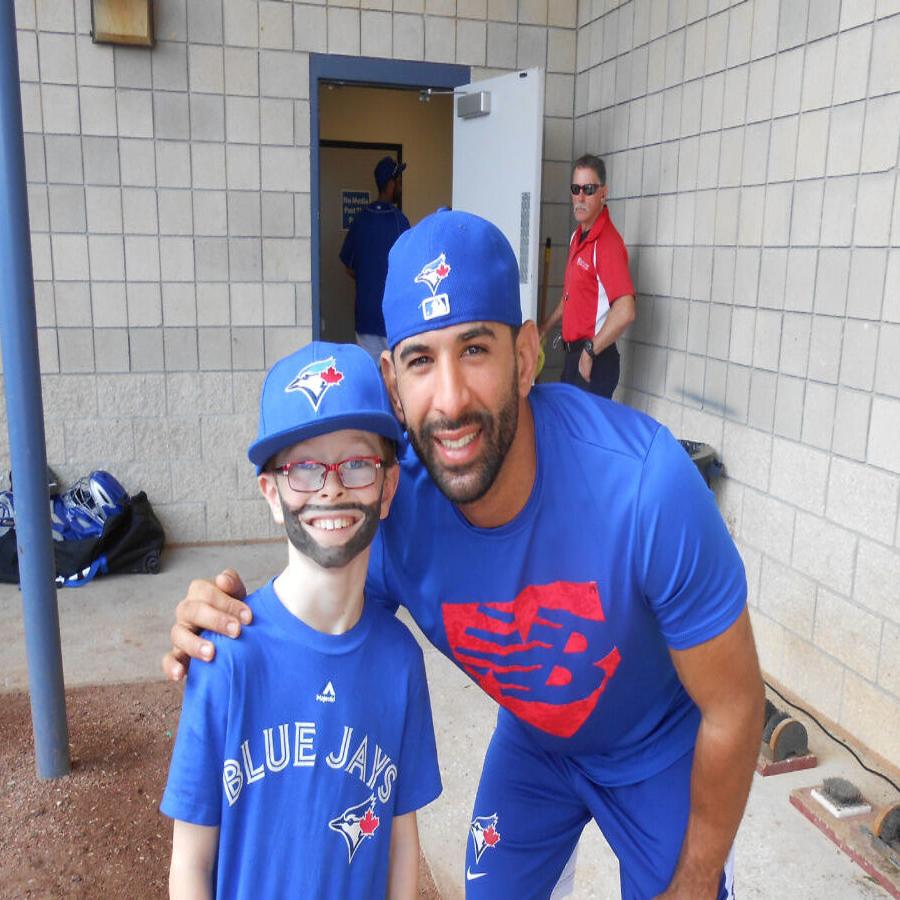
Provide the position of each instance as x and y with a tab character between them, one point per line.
571	346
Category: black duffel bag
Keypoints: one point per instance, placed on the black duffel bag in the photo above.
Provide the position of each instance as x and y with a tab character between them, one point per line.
131	542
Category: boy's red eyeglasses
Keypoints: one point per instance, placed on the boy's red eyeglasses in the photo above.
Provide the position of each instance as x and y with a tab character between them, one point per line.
308	475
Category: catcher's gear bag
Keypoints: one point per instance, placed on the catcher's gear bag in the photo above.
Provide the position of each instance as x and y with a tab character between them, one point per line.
130	539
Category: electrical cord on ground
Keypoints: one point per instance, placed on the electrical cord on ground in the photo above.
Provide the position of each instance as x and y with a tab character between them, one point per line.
836	739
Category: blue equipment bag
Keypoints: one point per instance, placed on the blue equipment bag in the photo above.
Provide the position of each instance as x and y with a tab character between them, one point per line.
130	539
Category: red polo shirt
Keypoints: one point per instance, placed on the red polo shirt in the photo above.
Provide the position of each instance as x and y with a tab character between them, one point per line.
596	276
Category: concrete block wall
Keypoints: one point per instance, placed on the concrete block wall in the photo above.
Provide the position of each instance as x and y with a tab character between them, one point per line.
752	152
169	200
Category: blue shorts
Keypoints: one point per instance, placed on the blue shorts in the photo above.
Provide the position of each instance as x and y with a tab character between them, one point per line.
531	808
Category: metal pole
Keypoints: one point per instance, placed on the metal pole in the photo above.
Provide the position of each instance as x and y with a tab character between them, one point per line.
25	420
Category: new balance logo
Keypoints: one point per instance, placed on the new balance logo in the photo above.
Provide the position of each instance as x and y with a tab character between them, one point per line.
327	694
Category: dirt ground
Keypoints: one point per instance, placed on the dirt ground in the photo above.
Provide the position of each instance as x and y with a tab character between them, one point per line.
98	832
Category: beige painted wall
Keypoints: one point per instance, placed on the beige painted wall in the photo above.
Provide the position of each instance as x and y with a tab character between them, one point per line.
424	129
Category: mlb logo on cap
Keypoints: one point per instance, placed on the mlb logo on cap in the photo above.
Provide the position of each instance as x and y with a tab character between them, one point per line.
435	307
464	257
320	388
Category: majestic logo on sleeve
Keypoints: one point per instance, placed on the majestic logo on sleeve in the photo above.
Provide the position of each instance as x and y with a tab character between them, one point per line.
315	380
545	656
433	274
356	823
484	835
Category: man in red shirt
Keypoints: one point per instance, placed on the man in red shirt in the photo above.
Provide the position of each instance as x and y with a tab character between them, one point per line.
597	304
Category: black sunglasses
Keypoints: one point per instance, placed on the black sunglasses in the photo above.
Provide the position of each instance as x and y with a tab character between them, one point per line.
586	189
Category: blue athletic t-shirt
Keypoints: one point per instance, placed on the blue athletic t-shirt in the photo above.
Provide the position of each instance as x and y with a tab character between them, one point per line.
565	615
302	747
369	239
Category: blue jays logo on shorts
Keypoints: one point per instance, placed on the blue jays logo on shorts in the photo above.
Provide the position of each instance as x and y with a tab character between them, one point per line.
484	834
545	655
356	823
315	380
433	274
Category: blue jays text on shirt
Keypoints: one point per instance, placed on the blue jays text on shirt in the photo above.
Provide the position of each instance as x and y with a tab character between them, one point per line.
297	749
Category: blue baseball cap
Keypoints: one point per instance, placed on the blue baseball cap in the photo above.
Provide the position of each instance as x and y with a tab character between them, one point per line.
387	168
453	267
321	387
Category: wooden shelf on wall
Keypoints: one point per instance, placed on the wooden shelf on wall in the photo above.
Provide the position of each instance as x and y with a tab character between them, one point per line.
122	22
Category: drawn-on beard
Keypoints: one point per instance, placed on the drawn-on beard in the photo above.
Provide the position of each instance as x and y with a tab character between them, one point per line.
469	483
337	556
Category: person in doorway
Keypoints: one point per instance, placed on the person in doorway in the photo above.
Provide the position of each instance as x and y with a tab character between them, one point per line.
565	553
320	719
597	304
365	253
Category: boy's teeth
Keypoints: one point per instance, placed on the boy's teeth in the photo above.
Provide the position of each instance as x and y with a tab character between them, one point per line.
332	524
460	442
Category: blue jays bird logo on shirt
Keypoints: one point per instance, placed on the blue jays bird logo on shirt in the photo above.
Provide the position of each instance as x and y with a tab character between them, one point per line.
315	380
356	823
433	274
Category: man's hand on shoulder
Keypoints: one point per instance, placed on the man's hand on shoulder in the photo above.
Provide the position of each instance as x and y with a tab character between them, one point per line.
209	605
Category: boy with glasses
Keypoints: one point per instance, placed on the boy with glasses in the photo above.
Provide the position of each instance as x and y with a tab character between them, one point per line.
301	758
597	304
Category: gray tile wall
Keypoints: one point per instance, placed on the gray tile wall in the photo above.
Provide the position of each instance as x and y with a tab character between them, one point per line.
170	214
752	151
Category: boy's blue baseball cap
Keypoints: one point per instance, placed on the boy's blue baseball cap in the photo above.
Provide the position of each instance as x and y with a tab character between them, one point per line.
453	267
321	387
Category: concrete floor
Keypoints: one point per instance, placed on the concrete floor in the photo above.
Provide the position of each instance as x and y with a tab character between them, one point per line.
116	630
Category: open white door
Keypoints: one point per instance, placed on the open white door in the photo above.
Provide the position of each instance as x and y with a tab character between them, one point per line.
498	127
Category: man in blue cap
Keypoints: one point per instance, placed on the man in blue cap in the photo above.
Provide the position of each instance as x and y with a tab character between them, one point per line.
365	253
565	553
290	724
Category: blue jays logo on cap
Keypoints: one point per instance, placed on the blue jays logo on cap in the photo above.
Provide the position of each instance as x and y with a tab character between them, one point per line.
433	274
315	380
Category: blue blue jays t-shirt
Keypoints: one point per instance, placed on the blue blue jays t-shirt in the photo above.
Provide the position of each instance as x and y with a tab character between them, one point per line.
302	747
566	614
369	239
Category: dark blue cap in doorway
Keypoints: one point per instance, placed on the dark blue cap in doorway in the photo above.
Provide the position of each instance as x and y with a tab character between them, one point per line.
387	168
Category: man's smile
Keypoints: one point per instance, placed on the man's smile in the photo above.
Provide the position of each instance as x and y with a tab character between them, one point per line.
459	446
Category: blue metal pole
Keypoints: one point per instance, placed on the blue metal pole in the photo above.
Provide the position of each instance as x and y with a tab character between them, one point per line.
25	420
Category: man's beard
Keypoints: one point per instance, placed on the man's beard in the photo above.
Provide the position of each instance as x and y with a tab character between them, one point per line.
337	556
469	483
